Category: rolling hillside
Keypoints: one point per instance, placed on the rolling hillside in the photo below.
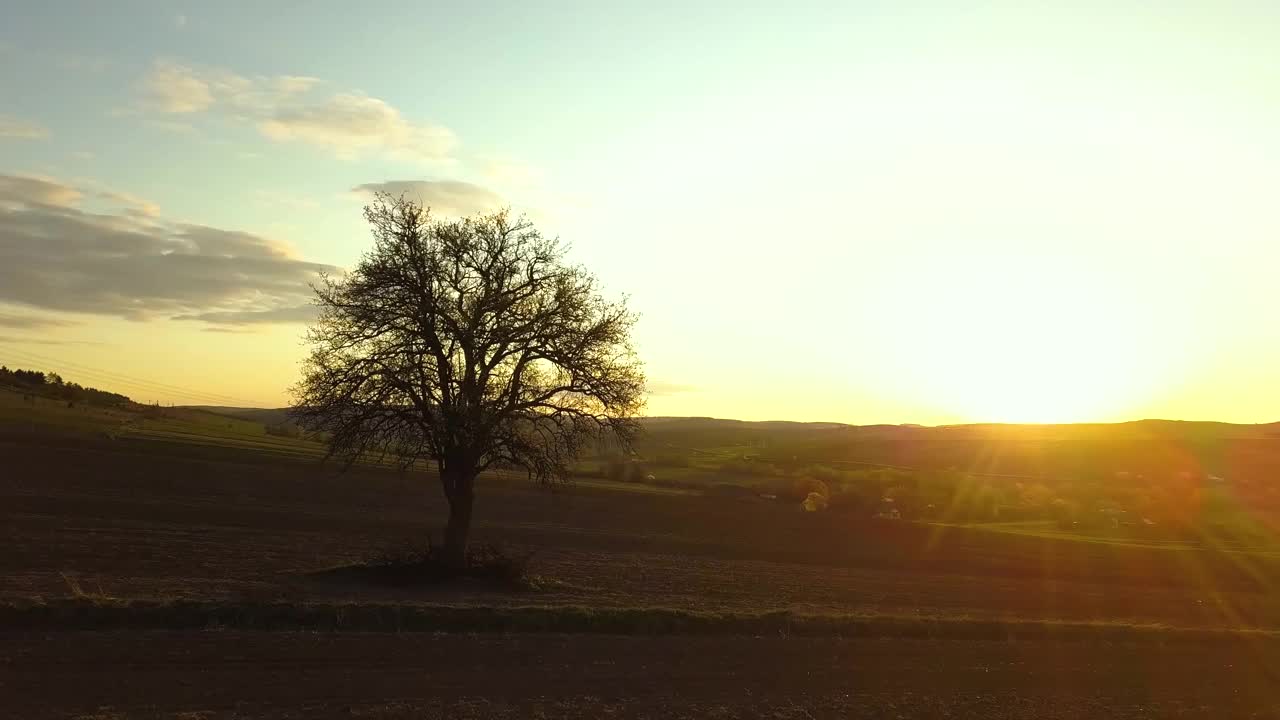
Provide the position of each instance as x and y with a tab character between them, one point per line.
1077	451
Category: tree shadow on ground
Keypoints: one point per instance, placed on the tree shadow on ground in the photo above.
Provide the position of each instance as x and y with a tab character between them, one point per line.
487	567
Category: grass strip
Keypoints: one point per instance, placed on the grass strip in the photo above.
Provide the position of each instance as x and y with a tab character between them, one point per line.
119	614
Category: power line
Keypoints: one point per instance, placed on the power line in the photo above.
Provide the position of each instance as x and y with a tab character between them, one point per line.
137	381
132	382
106	376
139	389
136	390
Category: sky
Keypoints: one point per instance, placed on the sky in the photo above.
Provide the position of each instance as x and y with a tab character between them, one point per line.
863	212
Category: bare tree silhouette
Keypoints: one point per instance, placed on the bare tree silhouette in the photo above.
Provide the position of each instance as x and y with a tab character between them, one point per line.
470	343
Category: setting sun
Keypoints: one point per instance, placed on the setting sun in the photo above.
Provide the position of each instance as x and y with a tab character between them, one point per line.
1030	340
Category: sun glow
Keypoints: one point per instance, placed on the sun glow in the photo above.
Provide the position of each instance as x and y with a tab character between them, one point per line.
1030	341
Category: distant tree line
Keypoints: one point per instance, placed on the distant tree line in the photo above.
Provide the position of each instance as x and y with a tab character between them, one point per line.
51	385
1170	502
1154	502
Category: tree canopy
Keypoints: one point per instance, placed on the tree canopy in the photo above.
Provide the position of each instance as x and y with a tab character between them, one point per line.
471	343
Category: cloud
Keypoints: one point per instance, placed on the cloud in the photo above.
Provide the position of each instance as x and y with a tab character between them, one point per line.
174	88
57	256
20	340
285	108
445	197
293	314
351	125
132	203
12	127
19	190
290	85
28	321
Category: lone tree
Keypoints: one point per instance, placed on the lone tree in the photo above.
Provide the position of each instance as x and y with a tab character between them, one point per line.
471	344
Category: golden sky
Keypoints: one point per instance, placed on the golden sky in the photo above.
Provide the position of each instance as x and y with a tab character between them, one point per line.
857	212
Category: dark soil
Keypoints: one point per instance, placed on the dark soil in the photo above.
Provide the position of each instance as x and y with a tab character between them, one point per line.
164	522
310	675
156	521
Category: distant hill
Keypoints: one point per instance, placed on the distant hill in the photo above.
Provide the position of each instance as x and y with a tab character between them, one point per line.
1168	479
266	416
1145	446
1090	449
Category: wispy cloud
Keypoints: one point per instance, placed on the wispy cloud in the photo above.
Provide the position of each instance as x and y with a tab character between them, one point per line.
17	128
288	108
174	88
19	191
305	312
31	321
444	197
56	256
351	125
27	340
131	203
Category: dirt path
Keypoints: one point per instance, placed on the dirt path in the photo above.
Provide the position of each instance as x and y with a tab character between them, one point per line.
317	675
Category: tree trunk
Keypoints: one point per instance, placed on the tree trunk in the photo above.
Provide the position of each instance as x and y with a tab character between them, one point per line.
459	527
